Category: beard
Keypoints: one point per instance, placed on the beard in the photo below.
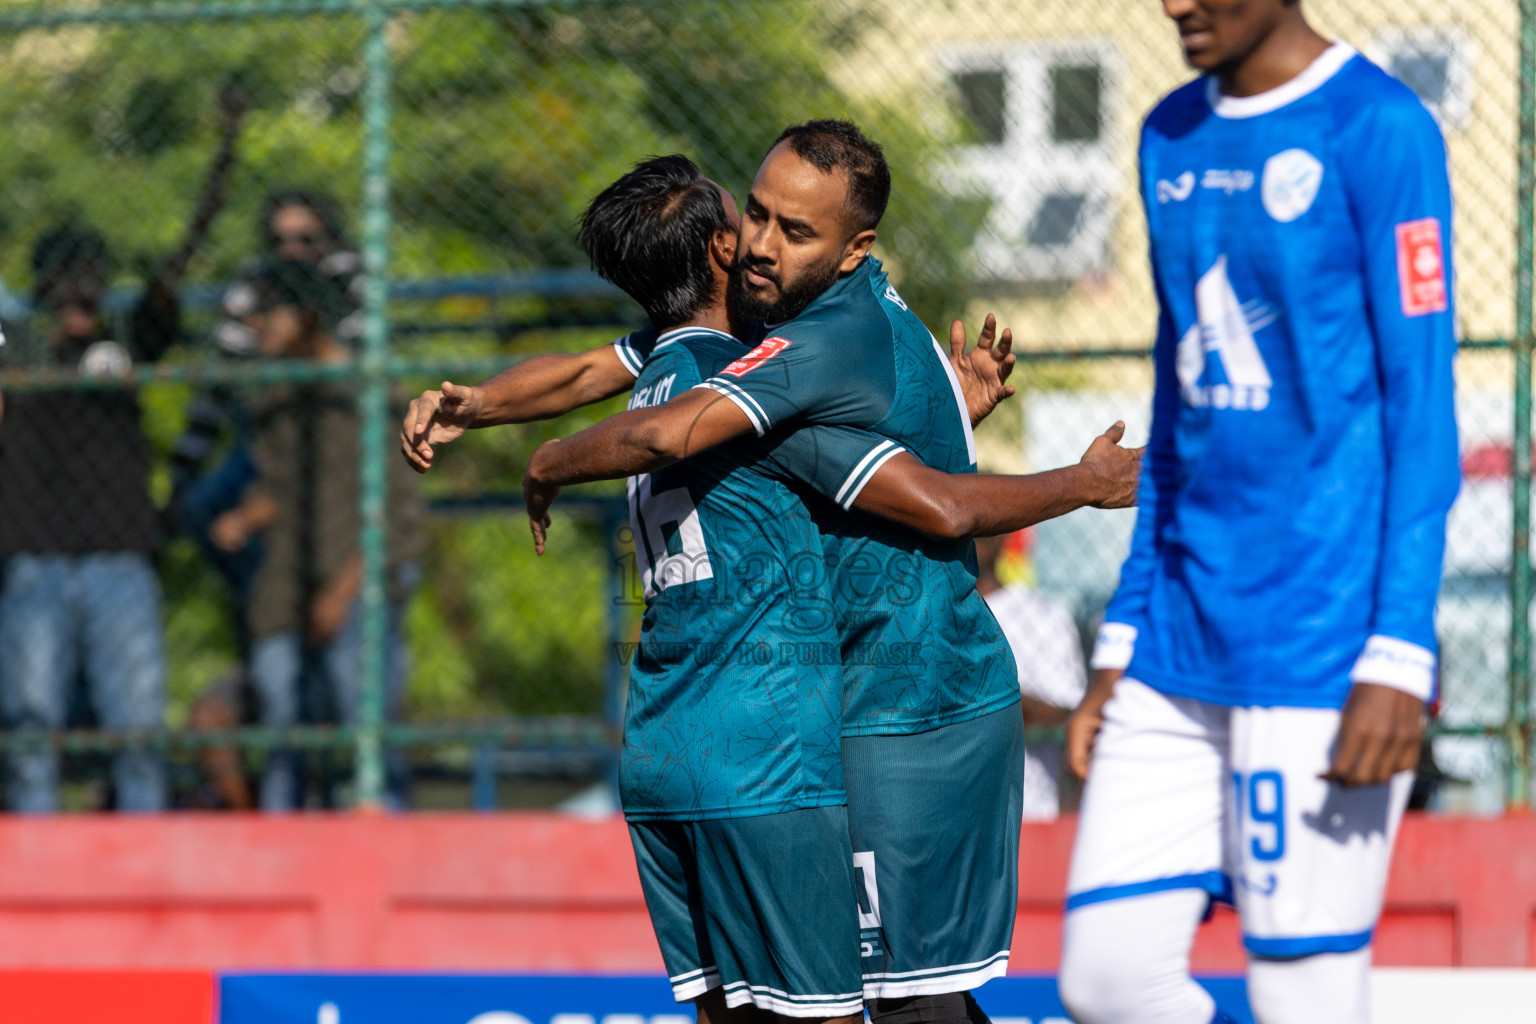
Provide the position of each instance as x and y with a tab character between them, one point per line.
746	308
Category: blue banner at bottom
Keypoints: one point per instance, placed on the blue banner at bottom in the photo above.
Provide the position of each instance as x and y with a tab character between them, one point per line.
561	999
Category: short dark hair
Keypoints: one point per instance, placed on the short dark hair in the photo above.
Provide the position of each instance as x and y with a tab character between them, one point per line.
69	245
832	145
70	260
649	233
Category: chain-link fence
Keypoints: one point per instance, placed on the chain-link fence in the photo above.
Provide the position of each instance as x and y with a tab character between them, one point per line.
235	235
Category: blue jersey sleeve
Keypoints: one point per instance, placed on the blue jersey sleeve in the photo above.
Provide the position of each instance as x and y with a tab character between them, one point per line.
1394	167
834	460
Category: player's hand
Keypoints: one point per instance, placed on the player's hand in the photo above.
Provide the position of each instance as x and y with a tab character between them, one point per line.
984	370
538	496
1083	725
229	531
328	614
435	418
1115	471
1380	734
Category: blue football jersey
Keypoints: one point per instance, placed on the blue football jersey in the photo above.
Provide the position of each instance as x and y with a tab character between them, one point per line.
1303	453
735	691
839	390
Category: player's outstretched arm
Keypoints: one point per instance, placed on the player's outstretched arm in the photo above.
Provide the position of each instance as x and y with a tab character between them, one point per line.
538	388
631	443
955	505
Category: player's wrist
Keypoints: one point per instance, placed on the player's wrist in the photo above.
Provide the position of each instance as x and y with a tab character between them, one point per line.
1087	486
1113	647
1389	661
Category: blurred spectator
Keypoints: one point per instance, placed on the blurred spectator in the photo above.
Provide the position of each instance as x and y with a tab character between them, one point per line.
79	532
1048	652
77	527
303	608
295	225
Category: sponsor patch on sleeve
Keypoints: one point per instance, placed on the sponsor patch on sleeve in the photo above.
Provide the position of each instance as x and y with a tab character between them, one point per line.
757	357
1421	267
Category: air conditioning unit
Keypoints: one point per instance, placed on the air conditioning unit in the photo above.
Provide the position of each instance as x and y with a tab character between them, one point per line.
1036	143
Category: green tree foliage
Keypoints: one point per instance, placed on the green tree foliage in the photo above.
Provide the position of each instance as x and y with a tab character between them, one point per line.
506	120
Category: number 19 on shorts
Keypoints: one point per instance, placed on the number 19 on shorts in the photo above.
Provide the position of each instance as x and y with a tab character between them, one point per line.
1260	813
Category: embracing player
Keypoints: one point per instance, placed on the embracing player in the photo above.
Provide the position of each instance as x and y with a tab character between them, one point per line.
854	393
1258	703
725	777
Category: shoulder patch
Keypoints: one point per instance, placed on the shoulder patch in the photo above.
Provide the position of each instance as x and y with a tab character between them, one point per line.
1421	267
757	357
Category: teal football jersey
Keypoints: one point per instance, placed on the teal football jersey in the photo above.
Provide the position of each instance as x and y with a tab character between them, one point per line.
635	348
735	692
839	390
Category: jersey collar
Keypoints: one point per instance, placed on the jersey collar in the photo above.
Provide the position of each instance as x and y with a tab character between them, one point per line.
675	333
1319	71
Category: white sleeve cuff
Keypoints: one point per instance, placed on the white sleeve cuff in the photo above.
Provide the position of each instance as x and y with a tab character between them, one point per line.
743	401
628	356
1388	661
1113	647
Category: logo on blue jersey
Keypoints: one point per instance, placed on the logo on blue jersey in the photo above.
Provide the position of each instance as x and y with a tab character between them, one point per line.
1227	181
1178	189
1223	339
1291	181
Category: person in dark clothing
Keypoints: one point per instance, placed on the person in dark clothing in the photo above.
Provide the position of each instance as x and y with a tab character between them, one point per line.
303	613
78	530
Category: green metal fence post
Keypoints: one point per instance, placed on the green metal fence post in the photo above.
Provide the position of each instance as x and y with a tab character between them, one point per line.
1517	730
374	403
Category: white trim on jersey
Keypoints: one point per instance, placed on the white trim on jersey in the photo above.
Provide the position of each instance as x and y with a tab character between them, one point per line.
965	413
628	356
882	453
745	402
1310	80
935	980
1396	663
668	337
738	993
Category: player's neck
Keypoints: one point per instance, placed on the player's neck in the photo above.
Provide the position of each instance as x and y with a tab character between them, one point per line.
713	318
1282	55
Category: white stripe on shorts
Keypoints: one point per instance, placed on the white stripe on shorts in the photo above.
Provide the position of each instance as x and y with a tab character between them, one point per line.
738	993
935	980
694	983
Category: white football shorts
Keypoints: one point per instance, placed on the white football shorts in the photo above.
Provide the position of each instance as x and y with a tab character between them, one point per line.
1188	795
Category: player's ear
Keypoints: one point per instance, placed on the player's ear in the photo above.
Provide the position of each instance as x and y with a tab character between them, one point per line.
855	249
722	249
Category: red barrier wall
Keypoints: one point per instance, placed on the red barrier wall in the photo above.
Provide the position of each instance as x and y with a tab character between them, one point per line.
141	997
540	891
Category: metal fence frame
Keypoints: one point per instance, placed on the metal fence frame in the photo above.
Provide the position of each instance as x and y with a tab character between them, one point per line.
376	368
